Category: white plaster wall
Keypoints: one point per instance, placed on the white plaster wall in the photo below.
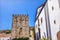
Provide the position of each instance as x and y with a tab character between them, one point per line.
36	26
54	15
5	38
43	24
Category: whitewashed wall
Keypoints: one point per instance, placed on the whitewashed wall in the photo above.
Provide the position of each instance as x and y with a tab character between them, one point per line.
54	14
5	38
36	26
43	24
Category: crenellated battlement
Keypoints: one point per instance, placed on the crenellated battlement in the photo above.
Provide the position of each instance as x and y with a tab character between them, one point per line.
19	15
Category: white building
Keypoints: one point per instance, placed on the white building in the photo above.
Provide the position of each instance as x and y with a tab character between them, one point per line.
40	24
5	38
47	19
4	35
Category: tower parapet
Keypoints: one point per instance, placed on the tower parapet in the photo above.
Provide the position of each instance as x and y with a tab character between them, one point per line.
20	26
19	15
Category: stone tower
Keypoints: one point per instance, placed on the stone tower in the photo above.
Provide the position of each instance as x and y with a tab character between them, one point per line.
20	27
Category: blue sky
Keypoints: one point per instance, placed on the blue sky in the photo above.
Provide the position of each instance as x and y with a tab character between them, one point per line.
9	7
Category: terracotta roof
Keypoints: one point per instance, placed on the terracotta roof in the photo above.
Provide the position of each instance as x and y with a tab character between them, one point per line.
4	35
3	31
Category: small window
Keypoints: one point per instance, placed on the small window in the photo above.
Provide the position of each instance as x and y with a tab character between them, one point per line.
52	8
41	20
54	21
20	29
39	32
38	23
15	17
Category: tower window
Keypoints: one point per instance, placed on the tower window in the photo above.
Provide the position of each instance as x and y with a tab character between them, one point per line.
20	29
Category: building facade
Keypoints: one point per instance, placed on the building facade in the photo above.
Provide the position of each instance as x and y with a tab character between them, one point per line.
40	25
20	27
4	35
53	15
48	20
